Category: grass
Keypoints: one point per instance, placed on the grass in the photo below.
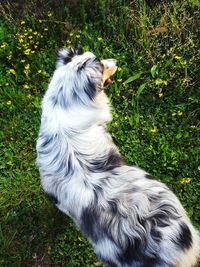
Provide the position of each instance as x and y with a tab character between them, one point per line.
155	95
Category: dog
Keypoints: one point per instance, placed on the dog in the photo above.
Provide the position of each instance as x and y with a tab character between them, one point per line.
131	219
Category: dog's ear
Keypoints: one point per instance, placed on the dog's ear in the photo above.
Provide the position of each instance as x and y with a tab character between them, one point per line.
64	56
90	71
79	50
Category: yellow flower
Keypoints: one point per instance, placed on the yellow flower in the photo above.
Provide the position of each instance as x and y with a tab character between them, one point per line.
174	114
177	57
27	51
78	36
119	80
154	130
184	62
46	29
3	45
30	37
99	39
68	41
50	14
186	180
26	72
9	102
71	34
21	40
26	86
22	22
22	60
160	94
39	71
180	113
160	81
9	56
119	69
40	21
12	71
27	67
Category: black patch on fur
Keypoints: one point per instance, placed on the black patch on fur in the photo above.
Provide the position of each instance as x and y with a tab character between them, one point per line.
161	220
66	58
109	263
148	176
107	163
184	238
83	65
47	141
113	206
90	89
51	197
90	224
136	252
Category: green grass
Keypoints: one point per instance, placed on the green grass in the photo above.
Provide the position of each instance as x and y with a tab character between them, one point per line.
155	96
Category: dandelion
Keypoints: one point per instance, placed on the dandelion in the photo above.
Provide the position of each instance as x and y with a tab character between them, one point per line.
9	102
12	71
119	69
99	39
186	180
119	80
154	130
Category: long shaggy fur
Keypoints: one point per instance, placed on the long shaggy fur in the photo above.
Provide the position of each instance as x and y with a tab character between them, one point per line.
130	219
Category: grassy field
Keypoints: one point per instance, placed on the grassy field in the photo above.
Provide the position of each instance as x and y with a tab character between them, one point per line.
156	111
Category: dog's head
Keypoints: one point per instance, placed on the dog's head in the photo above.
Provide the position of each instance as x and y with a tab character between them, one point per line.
82	74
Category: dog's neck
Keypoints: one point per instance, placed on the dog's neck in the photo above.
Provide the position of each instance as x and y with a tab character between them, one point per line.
78	134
